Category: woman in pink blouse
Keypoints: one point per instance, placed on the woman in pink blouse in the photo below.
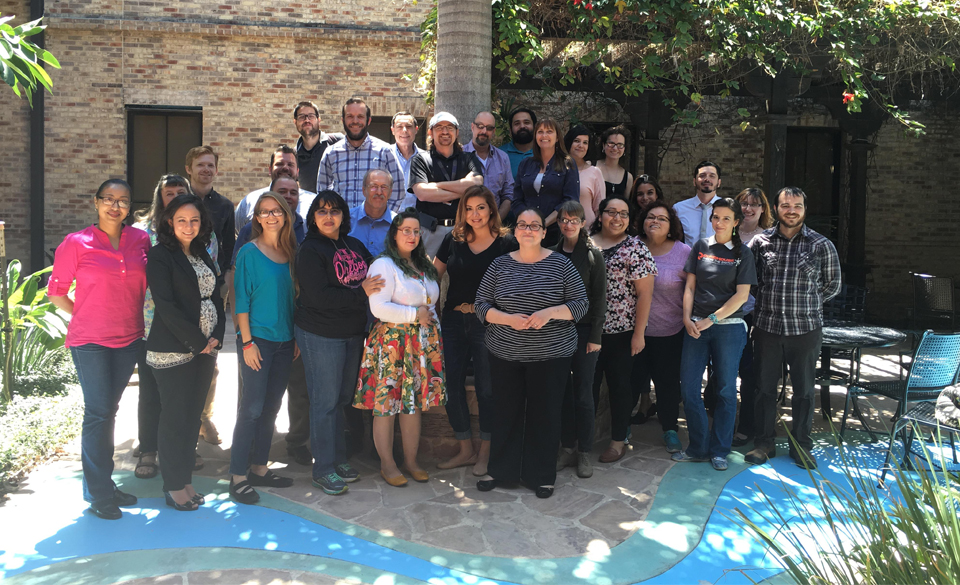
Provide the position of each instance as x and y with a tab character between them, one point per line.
108	262
592	188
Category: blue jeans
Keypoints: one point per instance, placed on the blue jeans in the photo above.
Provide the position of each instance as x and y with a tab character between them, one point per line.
259	404
463	338
103	373
723	344
333	368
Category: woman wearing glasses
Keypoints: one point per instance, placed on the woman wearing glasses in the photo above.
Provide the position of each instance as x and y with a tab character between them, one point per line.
662	232
186	333
618	181
756	218
264	303
546	179
576	425
402	368
530	300
329	325
630	272
592	189
476	241
720	271
148	407
108	263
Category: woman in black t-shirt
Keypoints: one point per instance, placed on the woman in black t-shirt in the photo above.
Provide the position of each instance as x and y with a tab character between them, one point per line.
720	271
476	241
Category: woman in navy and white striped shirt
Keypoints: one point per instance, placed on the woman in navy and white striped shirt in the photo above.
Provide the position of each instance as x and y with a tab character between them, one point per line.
530	301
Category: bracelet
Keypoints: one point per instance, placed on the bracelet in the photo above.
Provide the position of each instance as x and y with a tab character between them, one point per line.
248	344
713	317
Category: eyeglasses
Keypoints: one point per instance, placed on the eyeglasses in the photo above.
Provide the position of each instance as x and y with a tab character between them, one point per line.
265	213
110	202
305	117
324	212
658	218
444	128
484	127
571	221
614	213
411	232
616	145
532	227
756	205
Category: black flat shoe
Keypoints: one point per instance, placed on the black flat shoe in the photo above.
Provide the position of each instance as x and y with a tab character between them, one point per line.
269	479
243	492
123	499
190	506
106	509
485	485
198	499
543	492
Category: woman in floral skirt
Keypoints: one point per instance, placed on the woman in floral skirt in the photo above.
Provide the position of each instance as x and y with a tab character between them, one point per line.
402	369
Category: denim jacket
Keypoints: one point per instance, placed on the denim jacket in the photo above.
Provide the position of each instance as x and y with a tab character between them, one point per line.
554	189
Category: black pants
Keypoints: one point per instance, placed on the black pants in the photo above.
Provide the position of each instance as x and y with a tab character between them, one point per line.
801	353
579	413
148	407
298	405
748	385
616	362
527	397
183	391
660	361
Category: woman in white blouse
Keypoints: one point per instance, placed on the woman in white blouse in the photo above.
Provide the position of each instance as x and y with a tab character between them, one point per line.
402	369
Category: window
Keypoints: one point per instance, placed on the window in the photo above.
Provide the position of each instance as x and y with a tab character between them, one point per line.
813	164
158	139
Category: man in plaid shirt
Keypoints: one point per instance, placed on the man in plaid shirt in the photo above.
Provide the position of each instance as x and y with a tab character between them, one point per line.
797	271
344	164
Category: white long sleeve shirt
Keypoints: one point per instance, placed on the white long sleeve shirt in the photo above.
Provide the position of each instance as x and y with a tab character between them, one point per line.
401	295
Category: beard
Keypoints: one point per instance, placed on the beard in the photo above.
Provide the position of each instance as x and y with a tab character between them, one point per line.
358	136
481	140
310	133
522	136
792	223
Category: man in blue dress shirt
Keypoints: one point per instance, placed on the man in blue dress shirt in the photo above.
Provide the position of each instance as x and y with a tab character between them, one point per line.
371	220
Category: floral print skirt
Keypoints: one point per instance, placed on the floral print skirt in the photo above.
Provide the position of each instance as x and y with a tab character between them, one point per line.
402	369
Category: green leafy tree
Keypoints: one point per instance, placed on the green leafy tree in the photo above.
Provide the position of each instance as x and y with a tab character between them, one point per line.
21	61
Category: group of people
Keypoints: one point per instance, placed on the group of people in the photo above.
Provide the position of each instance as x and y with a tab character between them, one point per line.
332	276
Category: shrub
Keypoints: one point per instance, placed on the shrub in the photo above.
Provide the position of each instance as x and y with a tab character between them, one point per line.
34	427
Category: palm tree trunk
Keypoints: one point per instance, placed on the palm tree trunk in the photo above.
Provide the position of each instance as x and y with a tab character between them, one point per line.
464	29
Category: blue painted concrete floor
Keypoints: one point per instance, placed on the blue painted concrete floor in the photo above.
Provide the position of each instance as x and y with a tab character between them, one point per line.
691	534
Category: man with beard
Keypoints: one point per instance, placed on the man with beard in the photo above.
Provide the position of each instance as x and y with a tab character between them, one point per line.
283	163
344	164
522	121
371	220
404	128
797	271
312	143
695	212
497	175
439	177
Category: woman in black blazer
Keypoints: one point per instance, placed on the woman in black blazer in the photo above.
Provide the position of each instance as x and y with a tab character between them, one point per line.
187	331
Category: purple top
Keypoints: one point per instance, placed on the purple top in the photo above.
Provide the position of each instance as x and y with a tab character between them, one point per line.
666	308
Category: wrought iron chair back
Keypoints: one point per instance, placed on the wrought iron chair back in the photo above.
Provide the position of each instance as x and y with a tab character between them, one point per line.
933	302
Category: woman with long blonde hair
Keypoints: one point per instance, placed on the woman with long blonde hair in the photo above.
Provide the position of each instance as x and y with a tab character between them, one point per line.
265	292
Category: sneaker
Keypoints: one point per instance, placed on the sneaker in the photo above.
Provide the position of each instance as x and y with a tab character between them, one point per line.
347	473
719	463
584	467
566	458
803	458
760	454
672	441
683	457
331	483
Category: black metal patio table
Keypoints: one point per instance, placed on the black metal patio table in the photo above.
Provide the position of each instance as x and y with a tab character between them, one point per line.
851	336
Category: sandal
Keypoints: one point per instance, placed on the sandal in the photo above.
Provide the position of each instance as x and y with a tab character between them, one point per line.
146	469
243	492
189	506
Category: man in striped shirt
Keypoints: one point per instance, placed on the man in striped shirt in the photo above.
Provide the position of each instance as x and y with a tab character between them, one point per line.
797	271
344	164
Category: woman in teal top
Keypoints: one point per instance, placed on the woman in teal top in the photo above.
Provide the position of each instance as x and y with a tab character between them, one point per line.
265	290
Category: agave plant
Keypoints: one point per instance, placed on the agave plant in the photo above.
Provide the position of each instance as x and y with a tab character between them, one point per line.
37	327
861	533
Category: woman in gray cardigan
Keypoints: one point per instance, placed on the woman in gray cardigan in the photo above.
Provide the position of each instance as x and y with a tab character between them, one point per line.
576	426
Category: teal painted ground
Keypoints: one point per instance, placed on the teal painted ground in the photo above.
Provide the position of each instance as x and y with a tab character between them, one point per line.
689	536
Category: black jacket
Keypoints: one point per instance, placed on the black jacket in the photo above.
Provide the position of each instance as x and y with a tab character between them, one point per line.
332	303
176	293
588	260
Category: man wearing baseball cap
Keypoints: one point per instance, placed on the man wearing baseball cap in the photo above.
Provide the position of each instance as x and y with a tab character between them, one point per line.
438	178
